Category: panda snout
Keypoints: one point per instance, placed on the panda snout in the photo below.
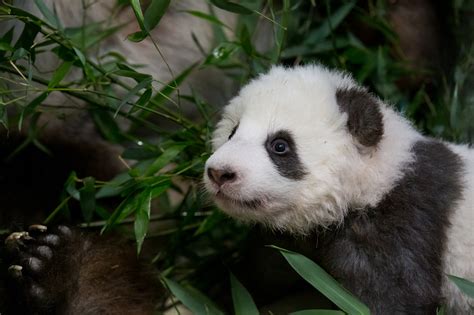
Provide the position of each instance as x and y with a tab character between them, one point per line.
221	176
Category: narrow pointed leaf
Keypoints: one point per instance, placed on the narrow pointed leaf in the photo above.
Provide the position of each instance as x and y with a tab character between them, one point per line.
466	286
324	283
49	16
31	107
164	159
87	198
197	302
142	218
231	7
60	73
243	302
318	312
155	12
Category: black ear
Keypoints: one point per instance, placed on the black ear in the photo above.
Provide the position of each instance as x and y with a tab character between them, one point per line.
365	120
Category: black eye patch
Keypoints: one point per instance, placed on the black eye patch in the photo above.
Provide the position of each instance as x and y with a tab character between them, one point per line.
232	133
281	149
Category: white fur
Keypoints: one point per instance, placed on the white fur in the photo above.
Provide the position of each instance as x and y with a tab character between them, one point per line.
459	256
341	176
303	100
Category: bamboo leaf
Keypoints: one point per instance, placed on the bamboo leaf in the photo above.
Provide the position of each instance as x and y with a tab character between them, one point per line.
324	283
137	10
165	93
197	302
331	23
142	218
164	159
466	286
318	312
243	302
143	84
87	198
31	107
231	7
154	13
60	73
50	17
210	18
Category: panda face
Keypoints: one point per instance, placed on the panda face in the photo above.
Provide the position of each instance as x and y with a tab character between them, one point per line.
282	153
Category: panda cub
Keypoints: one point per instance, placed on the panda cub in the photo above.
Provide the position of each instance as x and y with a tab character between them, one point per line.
387	211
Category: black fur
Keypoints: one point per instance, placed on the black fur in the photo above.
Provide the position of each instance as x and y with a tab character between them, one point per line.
365	121
390	256
288	164
67	271
232	133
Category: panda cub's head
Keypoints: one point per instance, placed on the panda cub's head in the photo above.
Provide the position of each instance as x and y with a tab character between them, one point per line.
293	150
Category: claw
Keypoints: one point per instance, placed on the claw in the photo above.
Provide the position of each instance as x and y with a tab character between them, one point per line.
38	228
15	271
17	238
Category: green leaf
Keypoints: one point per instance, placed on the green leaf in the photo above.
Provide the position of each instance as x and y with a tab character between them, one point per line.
3	116
50	17
6	42
137	36
142	218
107	125
70	186
210	222
231	7
60	73
5	46
155	12
143	84
89	35
197	302
164	94
441	310
164	159
143	100
87	198
137	9
126	71
80	56
318	312
210	18
324	283
126	208
243	302
466	286
31	107
330	24
19	53
113	187
27	36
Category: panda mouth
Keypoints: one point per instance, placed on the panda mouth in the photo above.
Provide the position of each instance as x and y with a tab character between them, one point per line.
252	204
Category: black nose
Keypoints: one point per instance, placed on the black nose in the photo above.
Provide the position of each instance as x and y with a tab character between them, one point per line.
220	177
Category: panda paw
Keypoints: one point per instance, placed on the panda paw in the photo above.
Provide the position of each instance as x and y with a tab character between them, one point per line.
35	256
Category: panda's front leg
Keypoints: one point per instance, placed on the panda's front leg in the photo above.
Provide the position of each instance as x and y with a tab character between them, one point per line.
39	269
64	270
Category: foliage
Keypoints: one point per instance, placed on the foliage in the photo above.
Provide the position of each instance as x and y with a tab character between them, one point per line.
198	237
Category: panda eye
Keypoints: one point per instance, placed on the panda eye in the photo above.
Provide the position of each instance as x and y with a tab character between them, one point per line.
232	133
280	146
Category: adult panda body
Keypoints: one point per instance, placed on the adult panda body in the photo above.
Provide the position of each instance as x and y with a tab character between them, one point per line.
386	210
